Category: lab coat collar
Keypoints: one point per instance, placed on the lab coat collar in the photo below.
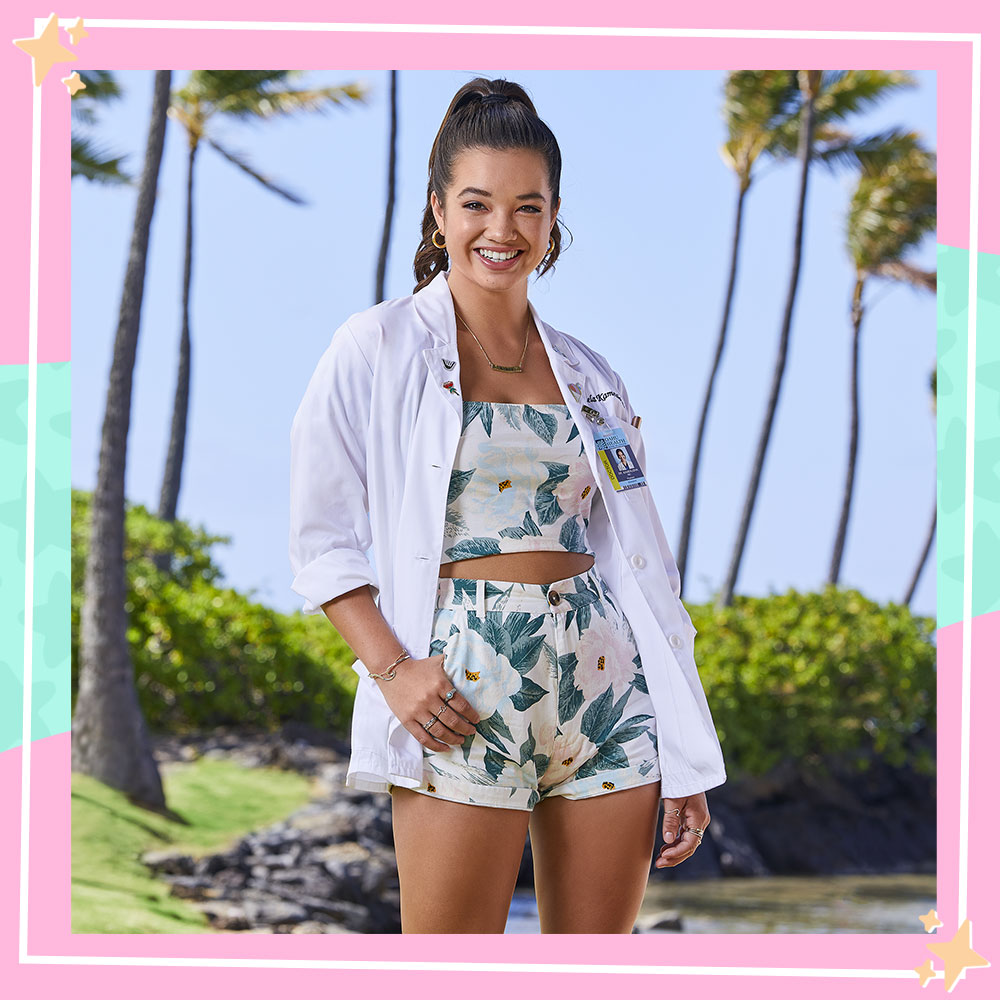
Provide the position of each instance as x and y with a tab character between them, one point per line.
436	309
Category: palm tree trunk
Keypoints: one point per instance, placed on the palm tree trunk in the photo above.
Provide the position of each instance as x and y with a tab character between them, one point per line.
923	555
857	312
805	154
685	536
109	736
171	487
390	201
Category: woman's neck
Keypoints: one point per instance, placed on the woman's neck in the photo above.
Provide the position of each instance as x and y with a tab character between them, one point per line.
498	318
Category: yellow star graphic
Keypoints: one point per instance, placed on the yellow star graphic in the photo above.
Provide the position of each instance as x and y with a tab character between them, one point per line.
930	920
73	83
45	50
926	972
958	955
77	32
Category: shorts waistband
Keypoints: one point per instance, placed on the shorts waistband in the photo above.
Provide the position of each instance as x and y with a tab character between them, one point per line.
566	594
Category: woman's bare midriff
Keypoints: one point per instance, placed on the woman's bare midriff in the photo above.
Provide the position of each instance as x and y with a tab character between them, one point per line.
520	567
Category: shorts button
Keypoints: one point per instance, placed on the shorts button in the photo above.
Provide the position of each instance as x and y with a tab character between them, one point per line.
675	640
554	597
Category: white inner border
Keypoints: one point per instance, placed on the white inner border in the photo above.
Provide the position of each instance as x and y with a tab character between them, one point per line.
475	29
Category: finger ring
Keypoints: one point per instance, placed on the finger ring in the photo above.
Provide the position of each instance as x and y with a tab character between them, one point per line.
451	694
696	830
676	812
427	725
440	710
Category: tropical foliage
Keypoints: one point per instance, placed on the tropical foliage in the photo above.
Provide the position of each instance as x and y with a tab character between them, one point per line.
205	655
803	675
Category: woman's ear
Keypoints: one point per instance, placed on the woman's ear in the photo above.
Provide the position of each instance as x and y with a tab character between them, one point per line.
436	209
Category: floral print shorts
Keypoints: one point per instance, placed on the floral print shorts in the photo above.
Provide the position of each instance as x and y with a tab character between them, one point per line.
554	672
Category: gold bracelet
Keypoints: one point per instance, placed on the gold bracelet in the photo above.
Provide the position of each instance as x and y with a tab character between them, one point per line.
390	671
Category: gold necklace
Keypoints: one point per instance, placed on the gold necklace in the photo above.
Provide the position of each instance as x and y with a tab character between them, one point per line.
514	369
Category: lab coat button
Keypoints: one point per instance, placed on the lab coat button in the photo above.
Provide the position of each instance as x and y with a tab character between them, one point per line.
675	640
637	561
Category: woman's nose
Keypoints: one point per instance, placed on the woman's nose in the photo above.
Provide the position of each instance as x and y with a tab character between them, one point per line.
501	228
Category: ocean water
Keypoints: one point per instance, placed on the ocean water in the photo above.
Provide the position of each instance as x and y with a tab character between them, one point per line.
778	904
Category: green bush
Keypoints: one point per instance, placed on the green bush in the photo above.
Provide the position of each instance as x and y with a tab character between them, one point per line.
805	675
205	655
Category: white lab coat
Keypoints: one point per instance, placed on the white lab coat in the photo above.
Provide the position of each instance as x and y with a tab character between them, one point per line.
372	445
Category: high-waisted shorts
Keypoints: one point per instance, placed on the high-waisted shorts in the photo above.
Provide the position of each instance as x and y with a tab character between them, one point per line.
554	672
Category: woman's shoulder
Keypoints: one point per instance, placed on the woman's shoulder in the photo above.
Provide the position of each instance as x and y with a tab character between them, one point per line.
583	350
393	319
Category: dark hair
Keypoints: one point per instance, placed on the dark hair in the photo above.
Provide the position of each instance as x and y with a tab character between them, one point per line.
505	120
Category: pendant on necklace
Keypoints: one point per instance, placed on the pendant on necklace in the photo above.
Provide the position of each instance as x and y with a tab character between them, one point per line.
506	368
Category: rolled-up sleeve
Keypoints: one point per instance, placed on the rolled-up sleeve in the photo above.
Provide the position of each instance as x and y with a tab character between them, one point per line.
330	530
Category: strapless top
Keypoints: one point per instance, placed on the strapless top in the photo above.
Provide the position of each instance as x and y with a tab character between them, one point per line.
521	482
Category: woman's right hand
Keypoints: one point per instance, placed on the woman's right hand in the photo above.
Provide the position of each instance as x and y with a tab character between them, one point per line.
417	694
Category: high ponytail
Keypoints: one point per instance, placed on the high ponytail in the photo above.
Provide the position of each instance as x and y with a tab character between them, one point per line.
486	114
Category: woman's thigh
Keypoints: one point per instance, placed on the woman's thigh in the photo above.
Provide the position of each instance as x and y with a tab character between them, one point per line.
592	858
457	863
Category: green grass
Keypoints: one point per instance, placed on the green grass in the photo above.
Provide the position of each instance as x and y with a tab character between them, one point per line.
216	803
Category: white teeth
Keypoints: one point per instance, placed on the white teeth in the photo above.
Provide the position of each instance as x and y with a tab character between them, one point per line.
492	255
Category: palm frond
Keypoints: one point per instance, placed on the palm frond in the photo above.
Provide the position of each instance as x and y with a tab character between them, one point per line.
240	160
88	160
908	274
892	210
846	93
100	89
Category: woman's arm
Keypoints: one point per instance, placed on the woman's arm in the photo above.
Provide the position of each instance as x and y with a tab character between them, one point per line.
330	533
329	530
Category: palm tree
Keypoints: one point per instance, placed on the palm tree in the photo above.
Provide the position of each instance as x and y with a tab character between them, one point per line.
244	95
891	211
933	525
851	91
87	159
390	201
763	113
109	737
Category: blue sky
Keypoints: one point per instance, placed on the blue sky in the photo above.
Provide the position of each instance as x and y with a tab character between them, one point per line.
649	204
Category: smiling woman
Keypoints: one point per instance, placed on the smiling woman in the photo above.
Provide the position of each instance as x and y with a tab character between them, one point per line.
551	687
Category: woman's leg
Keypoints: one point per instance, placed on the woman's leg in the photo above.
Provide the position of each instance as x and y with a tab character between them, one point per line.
457	863
592	858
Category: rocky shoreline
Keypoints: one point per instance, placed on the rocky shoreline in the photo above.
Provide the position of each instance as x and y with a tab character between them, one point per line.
330	867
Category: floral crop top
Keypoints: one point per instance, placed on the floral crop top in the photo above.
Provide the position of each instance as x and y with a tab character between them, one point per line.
521	482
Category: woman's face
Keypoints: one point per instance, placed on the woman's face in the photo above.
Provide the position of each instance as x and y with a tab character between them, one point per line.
498	200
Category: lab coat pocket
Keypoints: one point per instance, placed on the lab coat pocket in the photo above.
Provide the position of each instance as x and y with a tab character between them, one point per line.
634	437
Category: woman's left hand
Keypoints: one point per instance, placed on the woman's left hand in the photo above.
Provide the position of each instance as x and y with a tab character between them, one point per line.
684	816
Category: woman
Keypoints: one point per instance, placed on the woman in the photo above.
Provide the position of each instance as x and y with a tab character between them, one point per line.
528	667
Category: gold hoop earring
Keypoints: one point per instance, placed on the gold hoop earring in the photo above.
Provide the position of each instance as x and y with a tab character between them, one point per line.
552	245
440	246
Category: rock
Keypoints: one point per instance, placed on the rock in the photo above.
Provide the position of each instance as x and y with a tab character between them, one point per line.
319	927
667	920
168	862
733	841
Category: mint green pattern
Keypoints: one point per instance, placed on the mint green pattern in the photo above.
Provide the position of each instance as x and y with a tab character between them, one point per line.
952	400
50	639
521	482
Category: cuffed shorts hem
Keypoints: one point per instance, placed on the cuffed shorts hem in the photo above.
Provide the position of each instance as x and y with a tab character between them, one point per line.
525	799
600	784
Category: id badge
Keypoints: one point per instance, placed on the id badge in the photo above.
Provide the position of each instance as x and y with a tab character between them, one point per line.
618	459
